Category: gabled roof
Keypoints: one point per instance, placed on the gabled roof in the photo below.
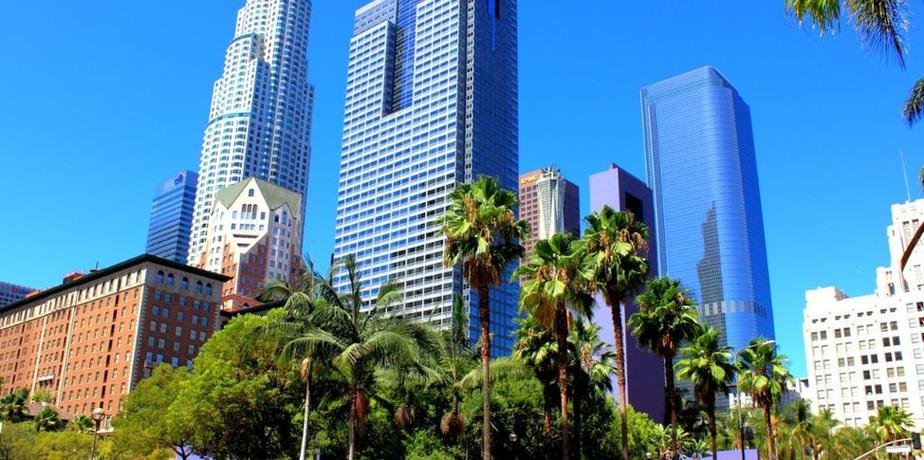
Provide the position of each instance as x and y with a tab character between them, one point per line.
275	195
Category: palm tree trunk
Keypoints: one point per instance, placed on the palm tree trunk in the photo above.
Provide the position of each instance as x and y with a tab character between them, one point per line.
561	331
710	412
671	403
352	447
771	444
301	455
484	318
547	422
619	348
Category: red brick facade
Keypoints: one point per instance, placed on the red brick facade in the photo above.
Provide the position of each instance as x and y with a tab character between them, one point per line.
89	341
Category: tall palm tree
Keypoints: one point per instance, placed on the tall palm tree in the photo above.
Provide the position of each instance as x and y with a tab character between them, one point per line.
554	280
592	368
666	318
353	341
891	423
708	365
617	245
483	234
763	374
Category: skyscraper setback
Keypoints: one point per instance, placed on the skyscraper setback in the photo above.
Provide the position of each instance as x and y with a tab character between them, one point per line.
550	204
431	102
260	117
710	231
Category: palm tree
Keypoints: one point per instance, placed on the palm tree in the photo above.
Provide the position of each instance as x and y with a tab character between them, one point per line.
455	363
46	420
353	343
13	406
483	234
81	424
707	365
666	318
891	423
592	367
762	373
535	347
617	244
554	279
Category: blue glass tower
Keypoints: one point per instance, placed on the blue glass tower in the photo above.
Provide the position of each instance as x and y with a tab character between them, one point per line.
171	217
702	168
431	102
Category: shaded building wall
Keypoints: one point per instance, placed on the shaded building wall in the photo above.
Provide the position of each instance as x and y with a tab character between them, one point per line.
623	192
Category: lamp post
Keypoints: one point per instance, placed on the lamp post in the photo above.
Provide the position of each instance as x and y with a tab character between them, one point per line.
97	418
513	440
738	391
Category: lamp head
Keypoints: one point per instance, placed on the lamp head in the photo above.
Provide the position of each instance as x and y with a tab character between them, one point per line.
98	414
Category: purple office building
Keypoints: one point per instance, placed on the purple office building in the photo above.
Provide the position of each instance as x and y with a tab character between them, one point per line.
622	191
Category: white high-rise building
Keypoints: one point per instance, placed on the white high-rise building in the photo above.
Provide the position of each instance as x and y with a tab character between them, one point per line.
431	102
865	352
260	117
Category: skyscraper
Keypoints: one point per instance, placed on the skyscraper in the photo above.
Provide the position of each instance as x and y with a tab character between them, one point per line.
171	217
431	102
623	192
10	293
260	118
253	239
710	231
550	204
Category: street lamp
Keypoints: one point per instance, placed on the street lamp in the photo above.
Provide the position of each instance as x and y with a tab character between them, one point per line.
97	418
738	390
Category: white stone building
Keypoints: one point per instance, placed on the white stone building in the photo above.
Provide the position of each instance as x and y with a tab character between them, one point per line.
865	352
254	238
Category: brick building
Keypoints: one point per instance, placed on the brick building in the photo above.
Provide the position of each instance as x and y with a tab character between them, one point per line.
88	341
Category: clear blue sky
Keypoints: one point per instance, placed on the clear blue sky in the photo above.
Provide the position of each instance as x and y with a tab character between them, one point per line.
101	100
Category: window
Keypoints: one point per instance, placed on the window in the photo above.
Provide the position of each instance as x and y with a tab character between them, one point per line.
161	343
837	333
178	331
886	341
170	280
165	312
184	283
895	341
898	356
814	336
159	279
208	289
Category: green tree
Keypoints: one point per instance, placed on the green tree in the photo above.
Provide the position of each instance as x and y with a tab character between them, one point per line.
455	361
81	424
763	374
483	234
891	423
708	366
618	245
143	425
352	343
592	364
666	318
554	280
535	347
13	406
47	419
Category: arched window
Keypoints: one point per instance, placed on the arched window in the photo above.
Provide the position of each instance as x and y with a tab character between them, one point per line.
160	277
170	280
184	283
250	192
199	287
208	289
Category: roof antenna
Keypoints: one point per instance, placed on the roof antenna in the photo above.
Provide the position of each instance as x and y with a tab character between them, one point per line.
901	154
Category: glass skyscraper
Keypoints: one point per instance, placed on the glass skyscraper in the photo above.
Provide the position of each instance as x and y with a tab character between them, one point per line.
260	117
171	217
702	169
431	102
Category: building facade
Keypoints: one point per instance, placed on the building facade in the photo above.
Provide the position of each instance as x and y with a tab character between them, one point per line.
254	239
867	351
10	293
260	117
702	170
171	217
550	204
431	102
89	341
622	191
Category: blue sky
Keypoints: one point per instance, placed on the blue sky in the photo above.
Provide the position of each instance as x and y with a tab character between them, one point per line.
102	100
